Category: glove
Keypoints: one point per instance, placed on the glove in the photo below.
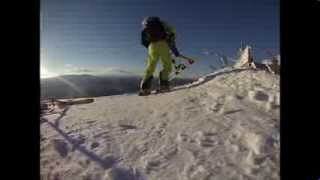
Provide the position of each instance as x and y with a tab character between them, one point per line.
190	61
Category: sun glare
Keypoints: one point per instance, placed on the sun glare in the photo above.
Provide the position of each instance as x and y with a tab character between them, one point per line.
44	73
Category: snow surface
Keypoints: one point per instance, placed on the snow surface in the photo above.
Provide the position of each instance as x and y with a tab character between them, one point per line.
224	126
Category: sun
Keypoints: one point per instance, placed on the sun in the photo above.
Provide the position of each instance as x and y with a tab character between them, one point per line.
44	73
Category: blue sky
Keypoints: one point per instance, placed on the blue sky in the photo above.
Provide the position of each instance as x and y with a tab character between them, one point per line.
88	36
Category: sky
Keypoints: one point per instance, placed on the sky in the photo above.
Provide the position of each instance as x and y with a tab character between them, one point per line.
103	36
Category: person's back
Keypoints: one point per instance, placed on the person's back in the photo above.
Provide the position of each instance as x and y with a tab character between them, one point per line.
155	29
155	32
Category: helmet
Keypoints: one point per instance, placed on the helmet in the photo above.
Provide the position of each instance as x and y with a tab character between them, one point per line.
150	20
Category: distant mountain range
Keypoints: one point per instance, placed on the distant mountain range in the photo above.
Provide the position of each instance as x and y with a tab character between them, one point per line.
75	86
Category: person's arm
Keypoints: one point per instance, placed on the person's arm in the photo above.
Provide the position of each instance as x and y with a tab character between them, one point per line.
144	39
174	49
171	31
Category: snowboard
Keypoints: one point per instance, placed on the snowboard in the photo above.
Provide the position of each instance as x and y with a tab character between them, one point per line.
179	68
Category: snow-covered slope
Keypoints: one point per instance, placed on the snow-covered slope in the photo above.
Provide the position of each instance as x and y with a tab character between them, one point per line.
225	126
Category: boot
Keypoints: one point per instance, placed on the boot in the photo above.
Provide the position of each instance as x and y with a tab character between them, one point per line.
145	87
164	86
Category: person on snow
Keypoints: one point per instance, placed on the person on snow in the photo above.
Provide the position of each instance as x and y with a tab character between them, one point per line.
159	38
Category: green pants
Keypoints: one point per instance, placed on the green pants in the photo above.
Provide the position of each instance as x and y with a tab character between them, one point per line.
156	50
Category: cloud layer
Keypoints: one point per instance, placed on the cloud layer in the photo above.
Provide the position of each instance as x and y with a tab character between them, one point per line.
72	69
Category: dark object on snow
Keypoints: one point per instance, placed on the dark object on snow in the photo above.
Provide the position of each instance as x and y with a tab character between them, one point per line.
145	86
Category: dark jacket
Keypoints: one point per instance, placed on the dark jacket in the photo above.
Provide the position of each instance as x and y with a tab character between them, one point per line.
158	32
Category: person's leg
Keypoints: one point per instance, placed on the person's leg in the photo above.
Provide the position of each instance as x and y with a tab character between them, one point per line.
147	77
166	61
153	56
